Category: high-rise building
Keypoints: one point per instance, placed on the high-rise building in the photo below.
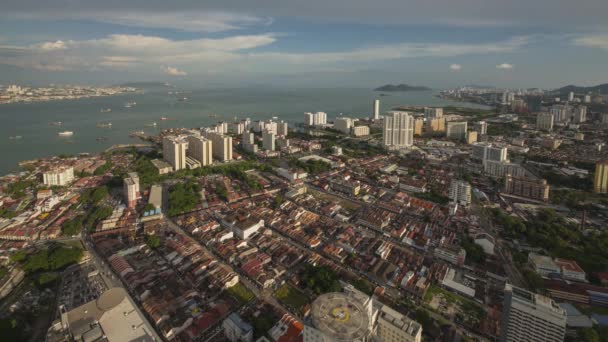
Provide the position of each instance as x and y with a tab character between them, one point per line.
58	176
433	113
580	114
528	316
393	326
268	140
456	130
315	119
544	121
237	127
481	127
398	130
435	126
200	149
174	151
360	131
418	125
282	128
376	114
561	113
486	151
460	192
221	146
131	189
570	96
471	137
600	179
528	187
344	124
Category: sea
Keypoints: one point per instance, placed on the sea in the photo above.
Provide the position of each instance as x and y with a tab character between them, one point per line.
26	131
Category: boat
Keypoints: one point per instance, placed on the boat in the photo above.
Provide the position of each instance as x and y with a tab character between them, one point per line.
136	134
105	110
102	139
56	123
66	134
153	124
104	125
163	118
130	104
15	137
182	99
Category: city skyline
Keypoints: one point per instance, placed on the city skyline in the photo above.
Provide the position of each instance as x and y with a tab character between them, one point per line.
444	44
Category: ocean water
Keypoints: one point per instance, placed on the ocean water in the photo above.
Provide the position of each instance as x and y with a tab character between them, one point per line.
203	107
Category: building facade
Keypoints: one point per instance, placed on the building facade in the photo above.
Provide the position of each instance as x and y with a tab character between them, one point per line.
58	176
456	130
174	151
221	146
200	149
398	130
532	188
131	189
460	192
544	121
600	178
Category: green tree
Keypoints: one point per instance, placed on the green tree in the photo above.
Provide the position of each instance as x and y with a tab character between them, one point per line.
152	241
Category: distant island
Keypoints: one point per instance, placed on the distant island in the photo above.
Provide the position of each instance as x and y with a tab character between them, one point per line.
598	89
144	84
401	87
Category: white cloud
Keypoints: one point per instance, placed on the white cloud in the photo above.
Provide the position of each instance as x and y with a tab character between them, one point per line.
504	66
173	71
56	45
594	41
455	67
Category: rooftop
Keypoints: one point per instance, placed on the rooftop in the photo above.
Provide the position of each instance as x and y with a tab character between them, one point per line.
340	317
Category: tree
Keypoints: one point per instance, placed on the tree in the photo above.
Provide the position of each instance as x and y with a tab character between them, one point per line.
73	226
320	279
152	241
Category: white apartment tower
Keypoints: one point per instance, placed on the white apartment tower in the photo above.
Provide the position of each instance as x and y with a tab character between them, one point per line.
398	130
200	149
481	127
544	121
58	176
376	114
131	189
268	140
460	192
531	317
315	119
174	151
221	146
282	128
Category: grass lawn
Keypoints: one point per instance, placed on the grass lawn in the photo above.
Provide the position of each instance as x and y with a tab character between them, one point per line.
241	293
291	297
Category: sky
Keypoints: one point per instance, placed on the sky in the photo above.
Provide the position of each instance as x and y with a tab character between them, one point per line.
322	43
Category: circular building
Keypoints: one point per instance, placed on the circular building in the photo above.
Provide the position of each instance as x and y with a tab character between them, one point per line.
339	316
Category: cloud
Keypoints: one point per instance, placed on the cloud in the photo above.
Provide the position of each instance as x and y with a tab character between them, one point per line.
594	41
455	67
173	71
56	45
504	66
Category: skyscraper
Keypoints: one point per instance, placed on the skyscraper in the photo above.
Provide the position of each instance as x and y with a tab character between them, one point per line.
531	317
481	127
174	151
398	130
460	192
544	121
131	189
200	149
600	179
456	130
376	109
268	140
221	146
433	113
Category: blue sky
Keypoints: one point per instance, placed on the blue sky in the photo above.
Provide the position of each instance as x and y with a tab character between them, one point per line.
437	43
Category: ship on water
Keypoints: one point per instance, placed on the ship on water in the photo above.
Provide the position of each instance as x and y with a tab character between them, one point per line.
55	123
105	110
104	125
130	104
66	134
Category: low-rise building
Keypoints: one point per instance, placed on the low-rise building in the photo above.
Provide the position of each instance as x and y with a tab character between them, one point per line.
527	187
236	329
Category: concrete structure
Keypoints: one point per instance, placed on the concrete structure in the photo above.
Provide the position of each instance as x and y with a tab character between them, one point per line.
162	166
433	113
543	265
58	176
111	317
452	254
268	140
282	128
532	188
460	192
200	149
360	131
237	330
398	130
315	119
243	228
344	124
580	114
499	169
600	178
392	326
418	126
545	121
376	112
338	317
471	137
435	126
174	151
222	146
456	130
481	127
131	189
531	317
155	199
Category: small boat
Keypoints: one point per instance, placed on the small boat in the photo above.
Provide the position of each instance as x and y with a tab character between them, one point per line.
130	104
15	137
56	123
102	139
151	124
104	125
105	110
164	118
182	99
136	134
66	134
